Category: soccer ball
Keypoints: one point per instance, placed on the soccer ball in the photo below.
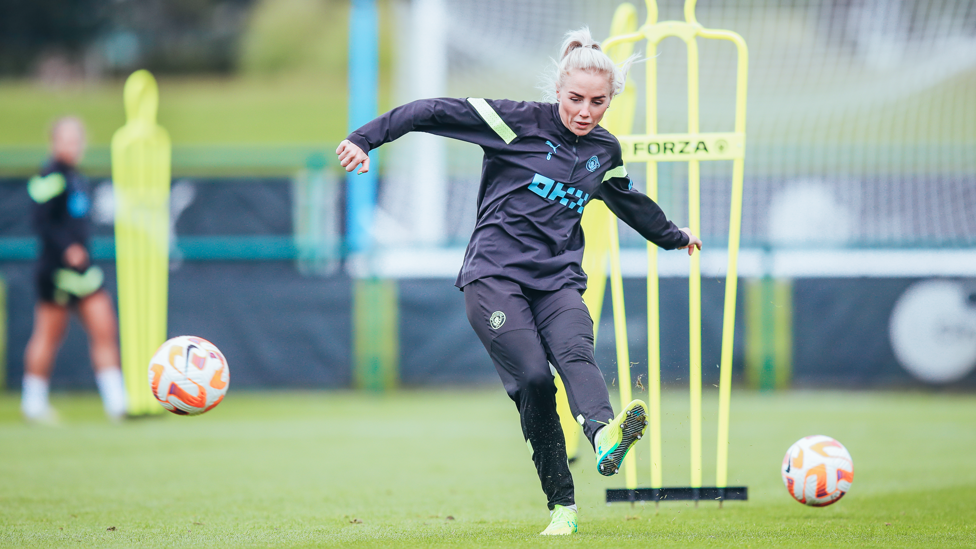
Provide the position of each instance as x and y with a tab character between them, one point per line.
817	470
188	375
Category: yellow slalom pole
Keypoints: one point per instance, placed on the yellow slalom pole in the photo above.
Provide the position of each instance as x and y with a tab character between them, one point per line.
596	223
653	281
621	122
597	219
620	334
141	180
731	276
596	227
571	429
694	278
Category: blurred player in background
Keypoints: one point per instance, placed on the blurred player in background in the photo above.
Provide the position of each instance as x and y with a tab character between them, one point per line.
66	280
522	277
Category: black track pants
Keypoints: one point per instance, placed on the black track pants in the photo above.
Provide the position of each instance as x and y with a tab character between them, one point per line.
524	331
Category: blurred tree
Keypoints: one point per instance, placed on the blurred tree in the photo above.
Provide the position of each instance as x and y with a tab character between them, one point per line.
116	36
29	28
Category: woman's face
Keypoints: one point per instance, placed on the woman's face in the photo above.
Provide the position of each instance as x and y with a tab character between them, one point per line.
68	142
583	99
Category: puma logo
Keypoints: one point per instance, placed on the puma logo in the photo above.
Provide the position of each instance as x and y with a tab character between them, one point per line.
554	147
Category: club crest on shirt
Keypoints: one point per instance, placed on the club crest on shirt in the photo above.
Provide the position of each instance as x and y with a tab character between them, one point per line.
593	164
497	320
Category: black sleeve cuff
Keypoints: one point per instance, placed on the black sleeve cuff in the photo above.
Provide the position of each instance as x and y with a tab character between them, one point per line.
359	141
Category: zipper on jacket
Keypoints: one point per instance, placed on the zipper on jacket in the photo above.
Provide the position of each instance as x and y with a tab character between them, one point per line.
575	160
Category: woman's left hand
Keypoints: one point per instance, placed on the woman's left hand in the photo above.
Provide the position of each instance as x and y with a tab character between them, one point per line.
693	241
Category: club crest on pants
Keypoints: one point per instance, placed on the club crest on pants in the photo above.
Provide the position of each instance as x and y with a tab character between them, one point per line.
497	320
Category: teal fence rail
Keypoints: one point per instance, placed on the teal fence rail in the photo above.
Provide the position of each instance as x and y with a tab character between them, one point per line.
258	160
306	166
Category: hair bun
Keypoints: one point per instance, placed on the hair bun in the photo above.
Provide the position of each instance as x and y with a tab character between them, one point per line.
575	44
591	58
579	39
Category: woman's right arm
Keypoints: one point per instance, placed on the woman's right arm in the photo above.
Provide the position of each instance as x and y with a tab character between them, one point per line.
50	220
351	156
473	120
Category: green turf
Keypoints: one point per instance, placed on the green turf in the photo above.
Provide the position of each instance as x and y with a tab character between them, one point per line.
448	468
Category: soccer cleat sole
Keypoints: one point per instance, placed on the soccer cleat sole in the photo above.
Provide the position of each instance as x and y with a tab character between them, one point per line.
633	429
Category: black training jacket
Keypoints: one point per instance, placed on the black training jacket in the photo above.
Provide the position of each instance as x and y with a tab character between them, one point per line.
61	206
536	178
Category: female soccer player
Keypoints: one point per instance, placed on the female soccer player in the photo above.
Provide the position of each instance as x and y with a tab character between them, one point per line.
66	280
522	277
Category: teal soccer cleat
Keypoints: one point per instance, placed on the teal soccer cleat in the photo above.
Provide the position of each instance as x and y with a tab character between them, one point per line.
616	439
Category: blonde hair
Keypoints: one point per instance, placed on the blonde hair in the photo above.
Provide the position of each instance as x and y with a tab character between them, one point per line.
580	52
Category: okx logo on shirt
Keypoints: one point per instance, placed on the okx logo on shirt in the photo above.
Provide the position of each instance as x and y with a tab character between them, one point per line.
549	189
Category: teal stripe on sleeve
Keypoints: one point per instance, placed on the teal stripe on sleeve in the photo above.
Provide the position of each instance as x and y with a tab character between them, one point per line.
494	121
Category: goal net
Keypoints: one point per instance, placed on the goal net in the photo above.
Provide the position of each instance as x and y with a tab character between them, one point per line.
861	123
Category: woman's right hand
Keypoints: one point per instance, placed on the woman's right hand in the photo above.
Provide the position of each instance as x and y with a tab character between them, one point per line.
351	156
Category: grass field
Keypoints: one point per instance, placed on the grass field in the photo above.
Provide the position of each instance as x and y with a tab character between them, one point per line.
448	468
292	109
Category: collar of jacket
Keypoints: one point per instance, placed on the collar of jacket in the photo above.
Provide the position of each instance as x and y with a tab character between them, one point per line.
56	165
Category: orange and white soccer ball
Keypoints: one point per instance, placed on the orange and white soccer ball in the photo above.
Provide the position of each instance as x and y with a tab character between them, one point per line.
817	470
188	375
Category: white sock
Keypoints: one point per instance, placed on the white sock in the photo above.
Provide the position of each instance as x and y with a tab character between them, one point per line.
596	437
573	507
34	403
112	389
